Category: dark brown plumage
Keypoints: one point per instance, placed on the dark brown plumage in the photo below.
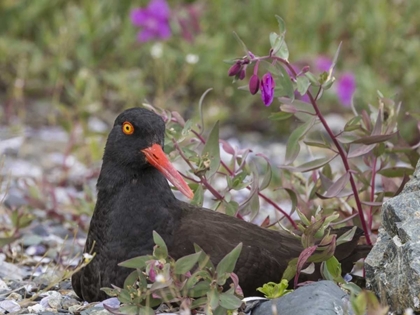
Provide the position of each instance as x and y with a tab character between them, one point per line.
134	199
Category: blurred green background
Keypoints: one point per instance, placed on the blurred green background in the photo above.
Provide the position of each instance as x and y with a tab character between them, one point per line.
62	61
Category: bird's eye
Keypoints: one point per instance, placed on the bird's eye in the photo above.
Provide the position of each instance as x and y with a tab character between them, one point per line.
127	128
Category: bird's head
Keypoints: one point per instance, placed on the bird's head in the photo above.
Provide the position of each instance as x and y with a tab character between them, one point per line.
136	141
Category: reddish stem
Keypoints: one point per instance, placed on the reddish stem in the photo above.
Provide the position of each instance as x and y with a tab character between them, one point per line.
339	148
267	199
372	190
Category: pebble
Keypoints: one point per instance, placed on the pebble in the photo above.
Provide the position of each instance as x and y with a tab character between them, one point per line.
9	306
3	285
10	271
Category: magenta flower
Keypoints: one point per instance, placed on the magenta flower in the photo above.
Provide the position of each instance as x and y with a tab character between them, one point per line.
154	21
346	85
267	85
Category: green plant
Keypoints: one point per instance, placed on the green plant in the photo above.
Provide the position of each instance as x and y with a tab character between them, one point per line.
272	290
190	282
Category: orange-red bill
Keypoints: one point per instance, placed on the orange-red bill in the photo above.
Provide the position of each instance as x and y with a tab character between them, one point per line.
156	157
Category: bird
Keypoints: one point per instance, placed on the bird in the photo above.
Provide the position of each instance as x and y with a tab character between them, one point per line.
134	199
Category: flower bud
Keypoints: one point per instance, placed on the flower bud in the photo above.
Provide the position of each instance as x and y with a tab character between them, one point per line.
267	88
254	84
235	69
242	74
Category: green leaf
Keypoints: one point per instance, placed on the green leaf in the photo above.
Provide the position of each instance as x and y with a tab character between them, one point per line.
309	166
199	302
293	147
230	208
318	144
129	310
278	46
338	186
337	53
268	174
312	78
280	116
204	259
110	292
227	264
285	84
131	279
303	84
136	262
7	240
331	270
374	139
184	264
199	289
346	237
353	124
291	269
124	296
282	25
246	51
229	301
211	150
392	172
272	290
352	287
359	150
198	196
200	109
160	250
213	298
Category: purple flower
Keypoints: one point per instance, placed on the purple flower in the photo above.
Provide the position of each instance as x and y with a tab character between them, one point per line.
267	85
346	86
323	63
154	20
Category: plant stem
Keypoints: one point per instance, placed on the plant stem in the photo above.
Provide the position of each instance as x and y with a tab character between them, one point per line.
343	155
372	190
267	199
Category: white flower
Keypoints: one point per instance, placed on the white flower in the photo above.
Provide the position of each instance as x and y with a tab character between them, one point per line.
192	59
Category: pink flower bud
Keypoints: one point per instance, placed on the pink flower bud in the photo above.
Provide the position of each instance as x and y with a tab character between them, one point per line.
254	84
241	74
267	88
235	69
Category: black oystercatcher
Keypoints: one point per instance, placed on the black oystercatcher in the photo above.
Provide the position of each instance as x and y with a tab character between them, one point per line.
134	198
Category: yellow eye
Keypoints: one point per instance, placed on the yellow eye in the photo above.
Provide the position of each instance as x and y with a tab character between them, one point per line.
127	128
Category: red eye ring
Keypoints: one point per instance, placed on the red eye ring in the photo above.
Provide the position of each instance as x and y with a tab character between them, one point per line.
127	128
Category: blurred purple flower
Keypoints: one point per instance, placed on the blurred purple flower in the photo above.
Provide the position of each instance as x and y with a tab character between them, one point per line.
323	63
154	21
346	85
267	88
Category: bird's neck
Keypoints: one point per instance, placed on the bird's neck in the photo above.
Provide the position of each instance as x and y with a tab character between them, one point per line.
145	185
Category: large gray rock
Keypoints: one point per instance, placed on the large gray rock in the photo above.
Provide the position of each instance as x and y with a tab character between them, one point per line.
318	298
393	265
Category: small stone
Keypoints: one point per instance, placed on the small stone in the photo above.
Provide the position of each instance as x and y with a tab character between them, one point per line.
10	271
14	296
52	299
75	309
98	311
37	308
69	302
3	285
9	306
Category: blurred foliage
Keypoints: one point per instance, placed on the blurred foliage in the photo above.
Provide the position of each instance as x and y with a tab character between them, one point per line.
81	57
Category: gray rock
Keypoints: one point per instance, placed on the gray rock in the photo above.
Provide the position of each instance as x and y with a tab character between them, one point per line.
318	298
9	306
10	271
393	265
